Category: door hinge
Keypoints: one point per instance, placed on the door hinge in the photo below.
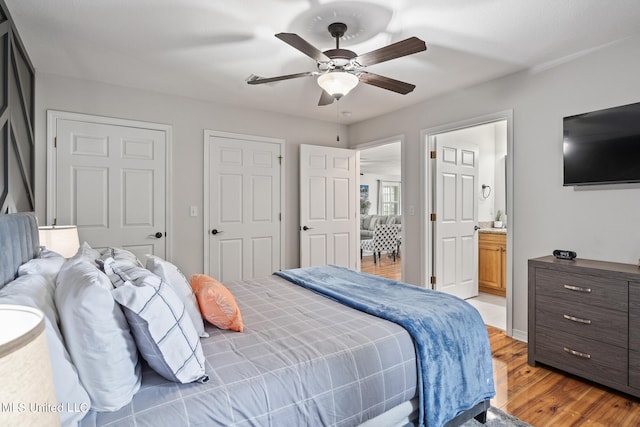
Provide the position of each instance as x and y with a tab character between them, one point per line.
432	154
55	142
55	221
432	217
280	160
279	216
432	280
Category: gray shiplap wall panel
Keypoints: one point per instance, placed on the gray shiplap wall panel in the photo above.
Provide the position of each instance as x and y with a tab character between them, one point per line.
17	77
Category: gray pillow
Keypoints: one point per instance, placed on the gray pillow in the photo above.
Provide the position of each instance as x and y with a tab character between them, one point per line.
365	221
163	331
373	222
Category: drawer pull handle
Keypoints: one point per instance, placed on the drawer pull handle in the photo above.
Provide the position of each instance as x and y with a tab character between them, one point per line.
577	353
577	319
578	289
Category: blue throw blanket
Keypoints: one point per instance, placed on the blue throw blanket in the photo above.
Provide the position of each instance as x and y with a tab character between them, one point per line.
455	370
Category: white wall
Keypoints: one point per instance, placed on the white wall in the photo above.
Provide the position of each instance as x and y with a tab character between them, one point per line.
500	188
189	118
596	223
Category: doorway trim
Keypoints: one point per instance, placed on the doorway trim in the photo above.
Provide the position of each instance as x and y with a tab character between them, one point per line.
205	177
426	197
378	143
52	130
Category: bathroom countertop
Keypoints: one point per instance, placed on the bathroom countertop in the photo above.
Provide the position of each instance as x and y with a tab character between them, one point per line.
492	230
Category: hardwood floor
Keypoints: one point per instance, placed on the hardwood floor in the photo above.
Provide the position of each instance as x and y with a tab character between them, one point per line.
539	395
545	397
385	267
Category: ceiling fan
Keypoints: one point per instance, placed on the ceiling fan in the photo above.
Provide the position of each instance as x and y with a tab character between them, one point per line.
340	70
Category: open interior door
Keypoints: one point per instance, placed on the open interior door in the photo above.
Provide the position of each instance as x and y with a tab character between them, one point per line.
455	240
329	206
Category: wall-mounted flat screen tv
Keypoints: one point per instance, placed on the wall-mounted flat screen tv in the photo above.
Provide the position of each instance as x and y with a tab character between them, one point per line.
602	147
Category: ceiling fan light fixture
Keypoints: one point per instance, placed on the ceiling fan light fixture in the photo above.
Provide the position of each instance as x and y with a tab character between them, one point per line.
337	83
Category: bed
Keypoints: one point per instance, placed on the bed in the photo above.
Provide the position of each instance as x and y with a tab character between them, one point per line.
303	358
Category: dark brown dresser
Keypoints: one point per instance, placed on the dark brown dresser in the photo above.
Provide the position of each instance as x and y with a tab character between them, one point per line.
584	318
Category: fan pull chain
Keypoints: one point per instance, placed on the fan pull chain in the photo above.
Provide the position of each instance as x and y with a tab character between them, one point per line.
338	120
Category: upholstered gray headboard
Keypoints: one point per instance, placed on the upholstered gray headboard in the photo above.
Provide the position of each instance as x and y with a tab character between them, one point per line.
19	243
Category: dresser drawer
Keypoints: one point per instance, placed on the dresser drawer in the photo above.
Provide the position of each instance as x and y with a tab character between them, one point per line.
634	369
588	321
634	316
582	288
587	358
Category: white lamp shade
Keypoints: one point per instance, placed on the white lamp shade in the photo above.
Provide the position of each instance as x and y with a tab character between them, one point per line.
62	239
27	394
338	83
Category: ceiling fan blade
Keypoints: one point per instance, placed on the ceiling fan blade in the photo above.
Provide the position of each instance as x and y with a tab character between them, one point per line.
303	46
256	80
325	98
392	51
386	82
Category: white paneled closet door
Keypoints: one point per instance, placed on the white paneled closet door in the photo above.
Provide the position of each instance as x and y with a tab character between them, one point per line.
243	191
111	183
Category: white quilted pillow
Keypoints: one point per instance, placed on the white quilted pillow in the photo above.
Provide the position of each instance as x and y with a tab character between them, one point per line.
97	335
180	285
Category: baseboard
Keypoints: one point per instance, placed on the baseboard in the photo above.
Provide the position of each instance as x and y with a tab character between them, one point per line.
519	335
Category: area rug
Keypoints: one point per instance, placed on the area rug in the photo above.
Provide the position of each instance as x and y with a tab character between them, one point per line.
497	418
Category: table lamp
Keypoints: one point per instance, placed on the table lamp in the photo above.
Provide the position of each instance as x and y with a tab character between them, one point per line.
62	239
27	394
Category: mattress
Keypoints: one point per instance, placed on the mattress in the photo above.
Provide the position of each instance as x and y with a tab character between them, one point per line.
303	359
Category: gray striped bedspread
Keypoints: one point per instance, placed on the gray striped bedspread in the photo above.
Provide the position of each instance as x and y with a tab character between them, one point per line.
302	360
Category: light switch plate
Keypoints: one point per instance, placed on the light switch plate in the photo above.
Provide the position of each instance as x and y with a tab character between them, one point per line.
193	211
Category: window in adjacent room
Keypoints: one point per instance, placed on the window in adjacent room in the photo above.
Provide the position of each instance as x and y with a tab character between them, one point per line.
389	199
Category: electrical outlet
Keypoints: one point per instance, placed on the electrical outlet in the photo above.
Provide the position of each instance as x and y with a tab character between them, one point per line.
412	210
193	211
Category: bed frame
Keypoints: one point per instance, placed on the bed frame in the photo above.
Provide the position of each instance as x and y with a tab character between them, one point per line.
19	242
479	412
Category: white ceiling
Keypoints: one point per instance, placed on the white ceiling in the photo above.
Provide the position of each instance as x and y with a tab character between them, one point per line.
205	49
382	160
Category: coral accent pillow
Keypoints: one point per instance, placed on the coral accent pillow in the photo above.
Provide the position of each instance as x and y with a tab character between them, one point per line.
217	304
